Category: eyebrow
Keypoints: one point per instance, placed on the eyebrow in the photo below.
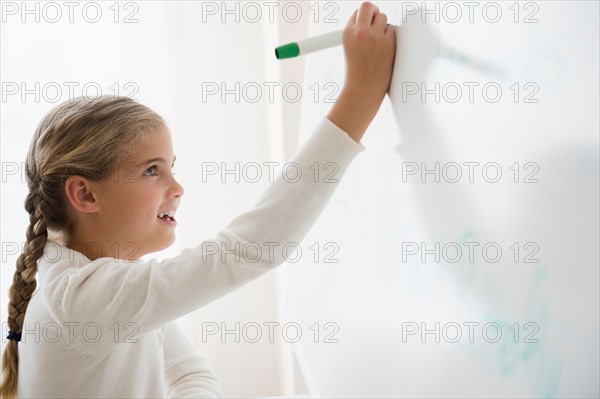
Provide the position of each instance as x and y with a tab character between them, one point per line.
157	159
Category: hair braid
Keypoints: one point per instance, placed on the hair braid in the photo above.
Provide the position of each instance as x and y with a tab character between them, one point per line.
21	291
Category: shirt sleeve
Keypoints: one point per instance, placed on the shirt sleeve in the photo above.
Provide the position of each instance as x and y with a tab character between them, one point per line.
187	373
153	293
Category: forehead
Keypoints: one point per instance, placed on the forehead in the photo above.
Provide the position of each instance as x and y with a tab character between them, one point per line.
155	143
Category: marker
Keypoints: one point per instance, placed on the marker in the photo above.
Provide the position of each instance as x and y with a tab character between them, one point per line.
311	44
332	39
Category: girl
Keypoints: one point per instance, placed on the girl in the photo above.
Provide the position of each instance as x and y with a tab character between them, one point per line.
102	194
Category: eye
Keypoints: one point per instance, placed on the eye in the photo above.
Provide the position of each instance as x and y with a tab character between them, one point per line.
152	170
173	169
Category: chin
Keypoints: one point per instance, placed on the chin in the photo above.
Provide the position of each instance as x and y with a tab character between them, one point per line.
166	244
156	248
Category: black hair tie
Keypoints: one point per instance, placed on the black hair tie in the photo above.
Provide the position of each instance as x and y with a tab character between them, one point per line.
13	335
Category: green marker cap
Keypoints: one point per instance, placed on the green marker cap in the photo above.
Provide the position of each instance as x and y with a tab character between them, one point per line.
289	50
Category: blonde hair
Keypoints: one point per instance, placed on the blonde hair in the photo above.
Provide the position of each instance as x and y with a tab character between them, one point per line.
83	137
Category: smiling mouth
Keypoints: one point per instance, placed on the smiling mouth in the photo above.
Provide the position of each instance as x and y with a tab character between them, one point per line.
167	216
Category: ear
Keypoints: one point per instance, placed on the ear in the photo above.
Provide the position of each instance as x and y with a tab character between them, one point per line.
78	191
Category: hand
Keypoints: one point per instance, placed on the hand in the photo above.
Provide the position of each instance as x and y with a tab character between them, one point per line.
369	48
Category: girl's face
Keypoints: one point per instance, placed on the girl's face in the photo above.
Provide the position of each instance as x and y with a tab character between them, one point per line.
131	200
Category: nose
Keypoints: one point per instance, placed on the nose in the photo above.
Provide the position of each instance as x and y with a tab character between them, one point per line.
176	188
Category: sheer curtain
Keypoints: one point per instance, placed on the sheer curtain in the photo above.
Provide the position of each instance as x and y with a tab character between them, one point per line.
209	75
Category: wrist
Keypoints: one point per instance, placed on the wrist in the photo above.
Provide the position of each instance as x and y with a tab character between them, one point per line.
353	112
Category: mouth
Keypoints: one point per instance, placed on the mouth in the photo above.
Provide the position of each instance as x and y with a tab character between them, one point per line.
168	217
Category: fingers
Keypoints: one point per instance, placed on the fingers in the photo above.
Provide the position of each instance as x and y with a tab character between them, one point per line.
380	21
366	13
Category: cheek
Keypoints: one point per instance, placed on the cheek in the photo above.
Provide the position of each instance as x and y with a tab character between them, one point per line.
133	202
144	203
130	205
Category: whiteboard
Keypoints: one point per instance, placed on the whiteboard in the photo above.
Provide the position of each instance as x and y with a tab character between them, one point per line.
510	174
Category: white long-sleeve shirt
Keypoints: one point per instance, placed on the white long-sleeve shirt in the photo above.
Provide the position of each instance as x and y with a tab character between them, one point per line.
105	328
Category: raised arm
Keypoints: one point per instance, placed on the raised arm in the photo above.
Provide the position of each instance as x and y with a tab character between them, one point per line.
151	294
